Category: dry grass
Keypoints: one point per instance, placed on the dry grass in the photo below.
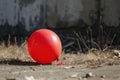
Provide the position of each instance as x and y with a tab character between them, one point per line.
14	52
93	58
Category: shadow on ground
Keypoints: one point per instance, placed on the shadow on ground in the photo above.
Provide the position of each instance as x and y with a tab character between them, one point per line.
18	62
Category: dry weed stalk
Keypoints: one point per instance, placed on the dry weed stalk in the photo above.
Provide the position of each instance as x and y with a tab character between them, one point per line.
14	51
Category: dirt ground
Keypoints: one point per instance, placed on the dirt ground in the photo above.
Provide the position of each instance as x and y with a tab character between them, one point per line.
16	64
55	72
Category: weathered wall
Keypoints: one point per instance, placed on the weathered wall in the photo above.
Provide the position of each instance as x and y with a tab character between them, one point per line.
111	12
34	14
26	12
67	13
23	16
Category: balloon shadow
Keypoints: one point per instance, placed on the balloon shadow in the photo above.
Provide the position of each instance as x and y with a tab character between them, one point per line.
18	62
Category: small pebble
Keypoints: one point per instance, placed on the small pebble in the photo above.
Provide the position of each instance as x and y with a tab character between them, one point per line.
32	68
102	76
29	78
89	75
74	75
69	67
117	53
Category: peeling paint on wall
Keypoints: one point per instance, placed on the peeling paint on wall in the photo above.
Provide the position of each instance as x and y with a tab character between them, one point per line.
8	12
33	14
13	12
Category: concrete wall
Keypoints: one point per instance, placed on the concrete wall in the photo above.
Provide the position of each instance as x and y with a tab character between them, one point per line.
22	16
111	12
67	13
26	12
34	14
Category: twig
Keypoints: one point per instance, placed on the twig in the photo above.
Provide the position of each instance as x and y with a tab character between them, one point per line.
112	40
81	39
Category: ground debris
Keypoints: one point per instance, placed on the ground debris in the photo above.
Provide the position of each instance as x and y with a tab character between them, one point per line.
68	67
89	75
74	75
29	78
116	53
102	76
33	69
80	78
10	79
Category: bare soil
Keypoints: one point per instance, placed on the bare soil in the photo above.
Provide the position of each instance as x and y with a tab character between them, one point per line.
16	64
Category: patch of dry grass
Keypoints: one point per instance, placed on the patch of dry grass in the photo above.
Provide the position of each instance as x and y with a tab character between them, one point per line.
94	57
14	52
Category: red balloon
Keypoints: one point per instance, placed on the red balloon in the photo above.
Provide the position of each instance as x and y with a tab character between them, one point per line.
44	46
